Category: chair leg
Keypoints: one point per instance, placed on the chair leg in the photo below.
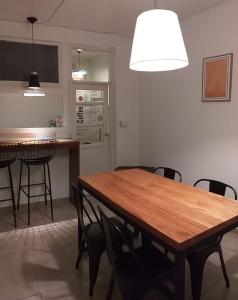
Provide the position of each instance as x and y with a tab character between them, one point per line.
51	203
196	268
19	187
110	287
45	185
80	253
94	262
13	196
223	266
28	193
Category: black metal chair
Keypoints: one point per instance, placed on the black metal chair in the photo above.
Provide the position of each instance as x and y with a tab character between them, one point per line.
136	270
36	153
90	236
168	173
7	158
198	258
145	168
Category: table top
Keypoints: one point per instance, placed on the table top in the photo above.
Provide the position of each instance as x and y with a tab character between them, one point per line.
58	143
178	214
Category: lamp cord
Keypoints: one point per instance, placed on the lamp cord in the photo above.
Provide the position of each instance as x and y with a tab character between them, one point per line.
79	61
155	4
33	48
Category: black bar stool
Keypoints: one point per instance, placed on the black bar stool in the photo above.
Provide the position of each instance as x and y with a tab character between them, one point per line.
36	153
7	158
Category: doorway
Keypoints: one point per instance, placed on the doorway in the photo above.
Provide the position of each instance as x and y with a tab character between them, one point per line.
91	109
92	123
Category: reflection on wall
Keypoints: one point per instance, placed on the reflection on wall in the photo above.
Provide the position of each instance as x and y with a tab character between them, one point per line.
19	111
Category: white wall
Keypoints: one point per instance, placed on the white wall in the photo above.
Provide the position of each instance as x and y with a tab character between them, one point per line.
177	129
19	111
125	82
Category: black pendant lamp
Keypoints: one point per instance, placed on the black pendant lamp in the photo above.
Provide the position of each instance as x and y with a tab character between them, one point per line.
34	83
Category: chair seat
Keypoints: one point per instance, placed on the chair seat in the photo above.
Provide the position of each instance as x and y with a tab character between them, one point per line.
37	161
6	163
95	233
153	261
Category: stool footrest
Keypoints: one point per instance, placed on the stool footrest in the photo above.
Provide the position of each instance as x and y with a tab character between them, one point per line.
3	200
38	195
4	188
42	183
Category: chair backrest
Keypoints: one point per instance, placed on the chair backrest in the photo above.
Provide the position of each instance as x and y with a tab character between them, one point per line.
7	154
168	173
36	149
85	210
145	168
115	238
217	187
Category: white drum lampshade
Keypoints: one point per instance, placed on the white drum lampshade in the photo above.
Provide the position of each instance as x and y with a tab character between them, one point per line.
158	42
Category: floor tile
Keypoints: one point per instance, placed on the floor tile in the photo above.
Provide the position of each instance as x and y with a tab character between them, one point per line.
16	280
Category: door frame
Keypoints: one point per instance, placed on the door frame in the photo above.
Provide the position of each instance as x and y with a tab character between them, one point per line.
111	97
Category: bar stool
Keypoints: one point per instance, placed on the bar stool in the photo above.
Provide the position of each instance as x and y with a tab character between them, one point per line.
7	158
36	153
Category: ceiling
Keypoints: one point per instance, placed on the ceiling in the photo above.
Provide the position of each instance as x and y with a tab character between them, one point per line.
109	16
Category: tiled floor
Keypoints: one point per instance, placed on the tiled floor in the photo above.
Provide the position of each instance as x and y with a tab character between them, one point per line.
38	262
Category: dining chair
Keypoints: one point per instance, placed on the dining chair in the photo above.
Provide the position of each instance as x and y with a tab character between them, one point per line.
145	168
168	173
90	234
198	258
136	270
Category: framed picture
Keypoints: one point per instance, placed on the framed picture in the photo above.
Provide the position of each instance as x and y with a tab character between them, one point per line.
216	78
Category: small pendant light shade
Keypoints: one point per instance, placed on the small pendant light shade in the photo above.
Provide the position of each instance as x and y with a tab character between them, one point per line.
34	81
158	42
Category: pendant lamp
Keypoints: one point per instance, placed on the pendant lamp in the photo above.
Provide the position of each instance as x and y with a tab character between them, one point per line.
158	42
78	73
34	83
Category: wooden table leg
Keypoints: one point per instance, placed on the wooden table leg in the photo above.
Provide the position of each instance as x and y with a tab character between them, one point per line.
179	276
73	169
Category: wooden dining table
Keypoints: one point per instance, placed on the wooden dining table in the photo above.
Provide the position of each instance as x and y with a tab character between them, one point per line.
179	216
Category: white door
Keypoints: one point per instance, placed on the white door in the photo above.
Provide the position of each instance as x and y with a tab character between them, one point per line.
91	119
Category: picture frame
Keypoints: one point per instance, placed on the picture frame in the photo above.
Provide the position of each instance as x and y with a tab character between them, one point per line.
217	78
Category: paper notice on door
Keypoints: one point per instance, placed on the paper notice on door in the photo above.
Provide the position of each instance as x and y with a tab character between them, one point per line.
89	96
90	135
89	115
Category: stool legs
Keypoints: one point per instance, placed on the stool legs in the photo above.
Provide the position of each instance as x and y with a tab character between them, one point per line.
45	185
51	202
47	188
28	193
13	197
19	187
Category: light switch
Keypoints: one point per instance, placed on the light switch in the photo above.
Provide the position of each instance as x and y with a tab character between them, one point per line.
123	123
